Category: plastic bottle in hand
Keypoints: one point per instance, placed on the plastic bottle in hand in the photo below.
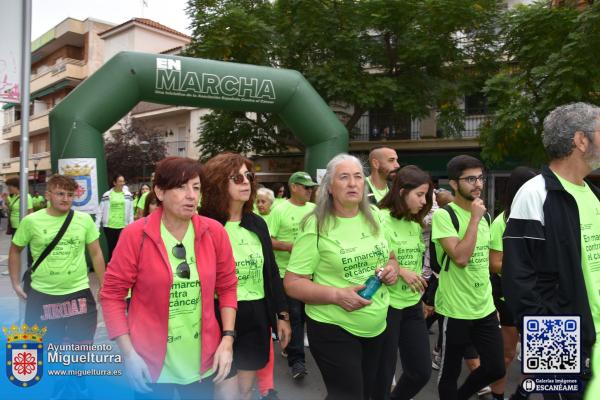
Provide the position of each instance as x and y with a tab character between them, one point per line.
371	286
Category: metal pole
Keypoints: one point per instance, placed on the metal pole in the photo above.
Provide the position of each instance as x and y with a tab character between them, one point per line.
24	170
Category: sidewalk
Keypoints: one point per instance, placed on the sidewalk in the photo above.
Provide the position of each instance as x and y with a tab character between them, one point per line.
9	303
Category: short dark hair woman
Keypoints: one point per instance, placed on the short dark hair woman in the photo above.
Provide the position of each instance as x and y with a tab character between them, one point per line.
403	209
228	193
340	246
175	262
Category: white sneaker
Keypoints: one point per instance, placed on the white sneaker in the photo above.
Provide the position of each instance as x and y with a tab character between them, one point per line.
484	391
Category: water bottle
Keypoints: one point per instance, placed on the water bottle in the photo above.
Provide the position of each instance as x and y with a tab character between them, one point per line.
371	286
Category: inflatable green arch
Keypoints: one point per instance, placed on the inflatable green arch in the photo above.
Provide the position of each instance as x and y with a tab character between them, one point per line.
78	122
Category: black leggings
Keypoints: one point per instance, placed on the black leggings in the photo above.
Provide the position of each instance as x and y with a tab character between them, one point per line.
347	363
112	237
406	331
485	335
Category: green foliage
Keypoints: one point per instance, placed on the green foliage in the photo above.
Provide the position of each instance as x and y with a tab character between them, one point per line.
550	60
360	54
125	156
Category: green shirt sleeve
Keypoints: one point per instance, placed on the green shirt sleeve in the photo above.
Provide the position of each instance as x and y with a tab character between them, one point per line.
496	232
274	222
441	225
305	253
23	235
29	202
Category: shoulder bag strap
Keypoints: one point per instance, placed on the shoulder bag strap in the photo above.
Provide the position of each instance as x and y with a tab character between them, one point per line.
454	219
54	242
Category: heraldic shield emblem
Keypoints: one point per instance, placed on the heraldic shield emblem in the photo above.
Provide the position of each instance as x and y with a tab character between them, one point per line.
24	354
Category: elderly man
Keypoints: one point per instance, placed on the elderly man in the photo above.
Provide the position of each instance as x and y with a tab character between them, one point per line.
551	262
382	161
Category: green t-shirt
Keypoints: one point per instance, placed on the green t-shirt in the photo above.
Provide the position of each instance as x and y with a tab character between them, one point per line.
38	202
277	202
589	210
346	255
405	240
141	203
64	270
182	361
496	231
463	293
284	225
266	218
14	208
249	262
116	212
378	193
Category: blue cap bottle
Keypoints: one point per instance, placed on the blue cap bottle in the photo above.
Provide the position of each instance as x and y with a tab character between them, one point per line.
371	286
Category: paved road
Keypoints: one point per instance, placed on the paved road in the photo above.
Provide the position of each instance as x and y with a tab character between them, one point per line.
309	388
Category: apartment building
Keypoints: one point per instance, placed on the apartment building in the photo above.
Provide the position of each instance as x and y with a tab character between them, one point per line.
60	60
66	55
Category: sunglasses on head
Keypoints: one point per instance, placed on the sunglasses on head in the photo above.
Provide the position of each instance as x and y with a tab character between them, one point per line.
238	178
183	269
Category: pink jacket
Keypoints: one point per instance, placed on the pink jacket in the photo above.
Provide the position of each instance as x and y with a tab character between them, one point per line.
140	262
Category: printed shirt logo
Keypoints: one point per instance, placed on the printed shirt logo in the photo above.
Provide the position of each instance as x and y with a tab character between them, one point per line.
24	354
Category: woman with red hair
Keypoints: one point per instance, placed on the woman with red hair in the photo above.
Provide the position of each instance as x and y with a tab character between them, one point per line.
228	193
175	262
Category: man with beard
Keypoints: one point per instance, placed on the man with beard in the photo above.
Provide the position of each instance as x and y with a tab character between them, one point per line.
461	234
382	161
551	263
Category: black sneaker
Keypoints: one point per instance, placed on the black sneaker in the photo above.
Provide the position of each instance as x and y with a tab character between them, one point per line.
271	395
298	370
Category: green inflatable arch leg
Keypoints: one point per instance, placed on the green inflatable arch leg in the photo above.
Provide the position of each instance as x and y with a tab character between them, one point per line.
77	123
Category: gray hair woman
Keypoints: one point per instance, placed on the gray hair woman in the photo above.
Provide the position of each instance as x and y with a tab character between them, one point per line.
341	245
264	201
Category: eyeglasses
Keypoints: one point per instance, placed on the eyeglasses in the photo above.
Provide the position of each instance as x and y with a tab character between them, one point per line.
472	179
68	195
238	178
183	269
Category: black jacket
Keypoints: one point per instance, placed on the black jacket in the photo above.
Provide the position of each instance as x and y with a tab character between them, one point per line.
541	266
273	285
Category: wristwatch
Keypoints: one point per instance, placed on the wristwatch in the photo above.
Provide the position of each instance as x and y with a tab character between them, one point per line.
284	316
233	334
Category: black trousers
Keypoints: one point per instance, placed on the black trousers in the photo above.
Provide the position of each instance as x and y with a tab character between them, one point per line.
347	363
406	331
166	391
295	349
112	237
485	335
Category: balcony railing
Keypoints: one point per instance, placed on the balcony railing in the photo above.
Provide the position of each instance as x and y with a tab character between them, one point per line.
386	127
177	148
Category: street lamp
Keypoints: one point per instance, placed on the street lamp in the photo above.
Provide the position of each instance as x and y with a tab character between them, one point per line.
36	161
144	145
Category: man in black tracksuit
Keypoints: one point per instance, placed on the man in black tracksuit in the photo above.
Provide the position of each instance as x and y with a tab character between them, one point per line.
549	265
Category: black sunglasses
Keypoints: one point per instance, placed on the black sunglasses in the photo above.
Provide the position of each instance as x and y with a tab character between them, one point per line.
238	178
183	269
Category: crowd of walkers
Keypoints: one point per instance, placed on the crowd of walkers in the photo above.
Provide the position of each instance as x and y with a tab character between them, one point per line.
207	269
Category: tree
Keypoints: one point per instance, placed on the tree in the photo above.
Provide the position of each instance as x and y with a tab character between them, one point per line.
125	155
550	60
414	55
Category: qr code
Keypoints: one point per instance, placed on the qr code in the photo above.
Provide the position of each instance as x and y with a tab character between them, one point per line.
551	344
